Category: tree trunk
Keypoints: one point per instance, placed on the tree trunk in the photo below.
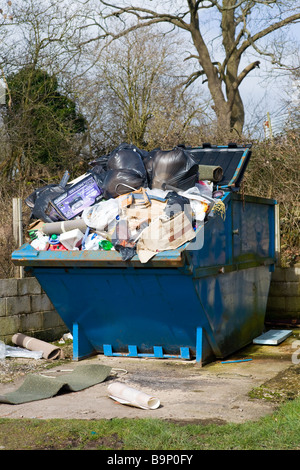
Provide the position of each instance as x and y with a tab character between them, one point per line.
214	81
230	71
237	117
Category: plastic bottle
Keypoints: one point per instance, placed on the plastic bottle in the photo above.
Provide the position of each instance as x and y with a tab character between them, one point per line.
54	243
54	239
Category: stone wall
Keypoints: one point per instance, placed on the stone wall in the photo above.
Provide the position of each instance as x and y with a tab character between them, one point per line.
25	308
284	297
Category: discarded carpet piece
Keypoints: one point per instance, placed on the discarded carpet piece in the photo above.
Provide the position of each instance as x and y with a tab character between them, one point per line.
130	396
38	387
33	344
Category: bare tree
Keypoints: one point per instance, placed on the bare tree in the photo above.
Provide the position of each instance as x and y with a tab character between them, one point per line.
241	26
134	94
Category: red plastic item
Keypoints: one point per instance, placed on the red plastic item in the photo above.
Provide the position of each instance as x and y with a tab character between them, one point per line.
58	247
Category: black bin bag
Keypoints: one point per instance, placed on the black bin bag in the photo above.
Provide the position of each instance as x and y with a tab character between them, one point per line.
127	157
173	167
125	171
117	182
39	203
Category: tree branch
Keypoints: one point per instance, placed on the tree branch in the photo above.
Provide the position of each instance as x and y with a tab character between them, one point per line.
192	78
245	72
252	39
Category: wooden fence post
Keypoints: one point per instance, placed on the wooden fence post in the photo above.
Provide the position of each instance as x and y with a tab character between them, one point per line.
18	230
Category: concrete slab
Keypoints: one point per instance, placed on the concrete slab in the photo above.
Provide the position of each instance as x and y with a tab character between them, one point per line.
218	392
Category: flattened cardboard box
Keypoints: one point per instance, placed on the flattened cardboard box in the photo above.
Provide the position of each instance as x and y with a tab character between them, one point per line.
164	234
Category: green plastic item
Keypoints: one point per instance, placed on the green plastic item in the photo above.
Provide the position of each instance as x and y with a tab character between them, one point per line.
32	234
105	245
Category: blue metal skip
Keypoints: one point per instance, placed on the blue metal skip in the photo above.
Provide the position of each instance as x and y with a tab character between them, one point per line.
204	302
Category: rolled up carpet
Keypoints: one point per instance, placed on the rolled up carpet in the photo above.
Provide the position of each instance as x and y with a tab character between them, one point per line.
130	396
210	173
49	350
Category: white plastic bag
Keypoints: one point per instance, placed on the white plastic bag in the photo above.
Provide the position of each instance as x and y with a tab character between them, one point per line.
101	215
205	188
200	204
92	241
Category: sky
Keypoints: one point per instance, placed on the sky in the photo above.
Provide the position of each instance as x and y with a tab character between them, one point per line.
262	91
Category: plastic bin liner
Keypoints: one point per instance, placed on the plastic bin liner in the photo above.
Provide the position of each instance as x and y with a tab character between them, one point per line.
98	173
125	171
118	182
103	160
174	167
124	158
39	200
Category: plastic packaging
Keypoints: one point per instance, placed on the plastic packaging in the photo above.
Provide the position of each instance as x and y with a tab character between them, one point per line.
41	242
12	351
72	239
39	200
205	188
106	245
92	241
177	203
2	351
101	214
201	205
130	396
58	247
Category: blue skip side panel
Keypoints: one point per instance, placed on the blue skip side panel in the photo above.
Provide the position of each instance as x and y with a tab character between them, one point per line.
166	308
205	300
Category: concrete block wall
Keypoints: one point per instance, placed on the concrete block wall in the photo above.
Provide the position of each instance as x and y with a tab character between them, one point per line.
284	297
25	308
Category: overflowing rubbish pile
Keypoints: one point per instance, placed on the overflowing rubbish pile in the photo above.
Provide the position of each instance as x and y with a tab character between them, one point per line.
132	201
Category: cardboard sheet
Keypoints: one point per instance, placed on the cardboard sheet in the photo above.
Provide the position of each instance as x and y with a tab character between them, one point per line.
164	234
